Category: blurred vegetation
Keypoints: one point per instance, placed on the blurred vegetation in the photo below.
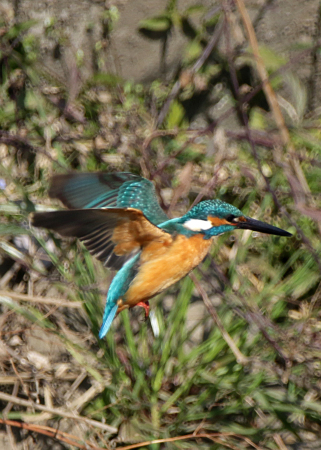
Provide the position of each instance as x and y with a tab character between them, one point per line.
174	374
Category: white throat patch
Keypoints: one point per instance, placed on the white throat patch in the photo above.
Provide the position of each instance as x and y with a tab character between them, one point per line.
198	225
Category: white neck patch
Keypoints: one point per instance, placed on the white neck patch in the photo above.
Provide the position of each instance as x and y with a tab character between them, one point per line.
198	225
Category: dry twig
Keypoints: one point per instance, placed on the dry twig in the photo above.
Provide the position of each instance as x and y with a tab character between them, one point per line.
53	433
57	412
38	299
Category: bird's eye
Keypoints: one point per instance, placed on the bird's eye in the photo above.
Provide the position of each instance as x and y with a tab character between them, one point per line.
230	218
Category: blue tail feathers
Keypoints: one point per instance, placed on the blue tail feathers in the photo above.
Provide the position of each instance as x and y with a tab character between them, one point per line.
117	290
109	314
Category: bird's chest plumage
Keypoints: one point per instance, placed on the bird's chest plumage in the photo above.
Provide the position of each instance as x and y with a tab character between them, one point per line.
163	264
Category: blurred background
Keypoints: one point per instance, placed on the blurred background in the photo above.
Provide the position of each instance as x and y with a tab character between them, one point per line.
209	99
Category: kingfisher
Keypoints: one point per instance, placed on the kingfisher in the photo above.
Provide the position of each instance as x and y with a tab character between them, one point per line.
118	218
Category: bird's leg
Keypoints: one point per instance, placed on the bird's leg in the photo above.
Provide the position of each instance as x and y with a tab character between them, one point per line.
144	305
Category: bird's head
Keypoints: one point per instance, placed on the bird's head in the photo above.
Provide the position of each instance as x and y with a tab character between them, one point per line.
214	217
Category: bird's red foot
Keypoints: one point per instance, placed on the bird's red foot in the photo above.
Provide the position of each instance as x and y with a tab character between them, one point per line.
144	305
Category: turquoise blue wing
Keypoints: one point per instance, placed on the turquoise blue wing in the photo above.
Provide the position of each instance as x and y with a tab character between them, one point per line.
108	190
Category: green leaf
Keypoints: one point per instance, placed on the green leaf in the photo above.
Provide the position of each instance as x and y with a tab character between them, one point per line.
193	51
158	23
194	10
271	60
105	79
258	119
175	115
20	28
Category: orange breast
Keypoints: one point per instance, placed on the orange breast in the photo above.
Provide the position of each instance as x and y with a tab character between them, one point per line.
163	265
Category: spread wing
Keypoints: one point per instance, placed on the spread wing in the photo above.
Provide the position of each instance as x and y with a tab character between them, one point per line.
106	190
112	235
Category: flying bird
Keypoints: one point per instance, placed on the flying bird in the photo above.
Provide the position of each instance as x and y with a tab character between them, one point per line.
118	218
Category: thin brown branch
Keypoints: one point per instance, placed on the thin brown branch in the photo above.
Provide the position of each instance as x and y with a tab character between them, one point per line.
279	442
53	433
57	412
31	376
262	138
42	300
210	436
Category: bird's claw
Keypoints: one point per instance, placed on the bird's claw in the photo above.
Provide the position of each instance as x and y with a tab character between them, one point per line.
144	305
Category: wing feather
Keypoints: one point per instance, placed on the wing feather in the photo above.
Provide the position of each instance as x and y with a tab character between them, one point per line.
113	235
108	190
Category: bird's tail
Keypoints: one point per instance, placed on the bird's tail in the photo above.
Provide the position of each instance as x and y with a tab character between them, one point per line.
109	315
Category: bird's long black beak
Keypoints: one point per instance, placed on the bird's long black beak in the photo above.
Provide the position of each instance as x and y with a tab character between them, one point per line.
262	227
